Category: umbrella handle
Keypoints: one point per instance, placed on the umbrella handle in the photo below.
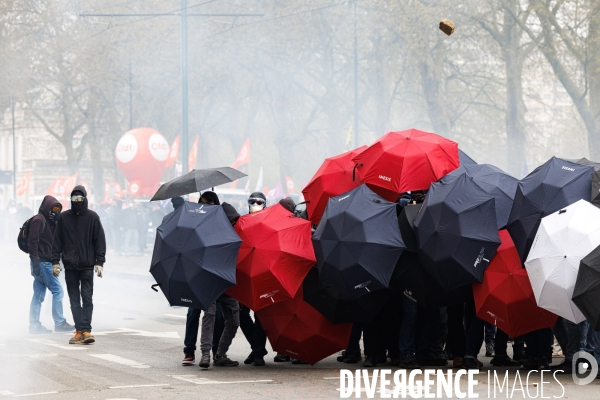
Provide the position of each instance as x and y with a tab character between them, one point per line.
354	170
153	287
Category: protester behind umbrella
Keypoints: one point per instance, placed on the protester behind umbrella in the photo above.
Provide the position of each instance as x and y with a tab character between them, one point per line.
256	202
209	197
231	213
288	204
177	202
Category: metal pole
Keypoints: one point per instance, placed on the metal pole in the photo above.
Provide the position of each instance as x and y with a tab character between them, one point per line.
184	88
130	99
14	140
355	81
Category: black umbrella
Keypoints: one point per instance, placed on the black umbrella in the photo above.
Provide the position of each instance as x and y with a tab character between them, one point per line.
457	232
196	181
358	242
493	181
411	279
465	159
195	254
586	294
340	309
550	187
595	178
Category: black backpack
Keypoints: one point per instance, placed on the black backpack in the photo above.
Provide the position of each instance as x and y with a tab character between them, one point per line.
24	234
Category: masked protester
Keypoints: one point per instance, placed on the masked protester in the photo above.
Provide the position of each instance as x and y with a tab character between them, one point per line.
79	240
256	202
39	244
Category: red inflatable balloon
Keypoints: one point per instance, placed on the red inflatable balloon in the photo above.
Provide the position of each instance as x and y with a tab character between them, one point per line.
141	154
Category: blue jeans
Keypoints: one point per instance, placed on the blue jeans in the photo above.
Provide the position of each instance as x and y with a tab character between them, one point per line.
40	283
408	326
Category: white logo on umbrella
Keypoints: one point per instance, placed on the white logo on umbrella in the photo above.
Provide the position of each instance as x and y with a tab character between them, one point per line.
480	258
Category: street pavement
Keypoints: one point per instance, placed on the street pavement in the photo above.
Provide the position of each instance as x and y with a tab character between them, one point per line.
138	349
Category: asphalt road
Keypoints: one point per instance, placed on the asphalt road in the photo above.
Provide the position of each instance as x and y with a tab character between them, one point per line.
138	349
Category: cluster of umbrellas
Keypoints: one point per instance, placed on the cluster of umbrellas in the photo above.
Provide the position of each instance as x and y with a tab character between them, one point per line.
476	230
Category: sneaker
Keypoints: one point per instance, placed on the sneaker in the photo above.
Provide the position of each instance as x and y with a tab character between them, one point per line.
204	361
250	359
341	357
189	359
224	361
408	361
504	361
470	363
38	330
281	358
352	358
64	327
77	338
369	362
295	361
88	338
259	361
489	349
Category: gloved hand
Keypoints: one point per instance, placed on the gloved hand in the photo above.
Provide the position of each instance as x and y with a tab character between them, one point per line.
35	267
98	270
56	268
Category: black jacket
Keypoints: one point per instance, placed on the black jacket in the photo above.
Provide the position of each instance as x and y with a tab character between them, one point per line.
79	238
41	232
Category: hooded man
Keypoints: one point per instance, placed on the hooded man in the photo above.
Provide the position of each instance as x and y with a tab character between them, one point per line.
256	202
39	244
79	240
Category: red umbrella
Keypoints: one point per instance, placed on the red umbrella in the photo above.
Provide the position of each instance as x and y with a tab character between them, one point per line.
295	328
505	297
404	161
275	257
333	178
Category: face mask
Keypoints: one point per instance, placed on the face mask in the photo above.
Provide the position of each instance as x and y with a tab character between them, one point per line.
77	207
255	207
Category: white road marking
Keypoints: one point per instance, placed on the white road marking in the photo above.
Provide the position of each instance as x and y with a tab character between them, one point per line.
138	386
137	332
176	316
60	346
205	381
33	394
6	392
120	360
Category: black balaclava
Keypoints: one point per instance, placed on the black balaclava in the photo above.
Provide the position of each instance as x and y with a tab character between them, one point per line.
77	207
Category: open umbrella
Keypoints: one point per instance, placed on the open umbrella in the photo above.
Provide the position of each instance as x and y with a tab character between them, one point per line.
465	159
595	178
296	329
493	181
562	241
194	255
405	161
196	181
338	308
275	256
457	232
505	298
411	279
586	294
334	177
358	242
550	187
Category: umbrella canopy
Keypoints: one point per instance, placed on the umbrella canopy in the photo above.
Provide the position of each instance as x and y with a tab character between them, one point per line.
194	255
358	242
465	159
562	241
493	181
334	177
457	232
296	329
338	308
505	297
550	187
196	181
275	256
595	178
405	161
586	294
411	279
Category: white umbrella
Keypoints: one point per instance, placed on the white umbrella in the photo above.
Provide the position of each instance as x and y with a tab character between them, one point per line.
562	240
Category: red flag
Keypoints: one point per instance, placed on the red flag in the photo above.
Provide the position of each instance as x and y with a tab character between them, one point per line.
290	185
23	186
173	152
193	155
243	156
54	188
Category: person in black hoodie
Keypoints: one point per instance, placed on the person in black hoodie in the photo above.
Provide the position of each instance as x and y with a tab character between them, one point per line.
79	240
39	244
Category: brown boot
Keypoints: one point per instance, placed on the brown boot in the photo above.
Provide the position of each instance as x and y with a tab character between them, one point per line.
88	338
77	338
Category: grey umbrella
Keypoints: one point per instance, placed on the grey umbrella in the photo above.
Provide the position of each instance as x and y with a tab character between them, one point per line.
196	181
